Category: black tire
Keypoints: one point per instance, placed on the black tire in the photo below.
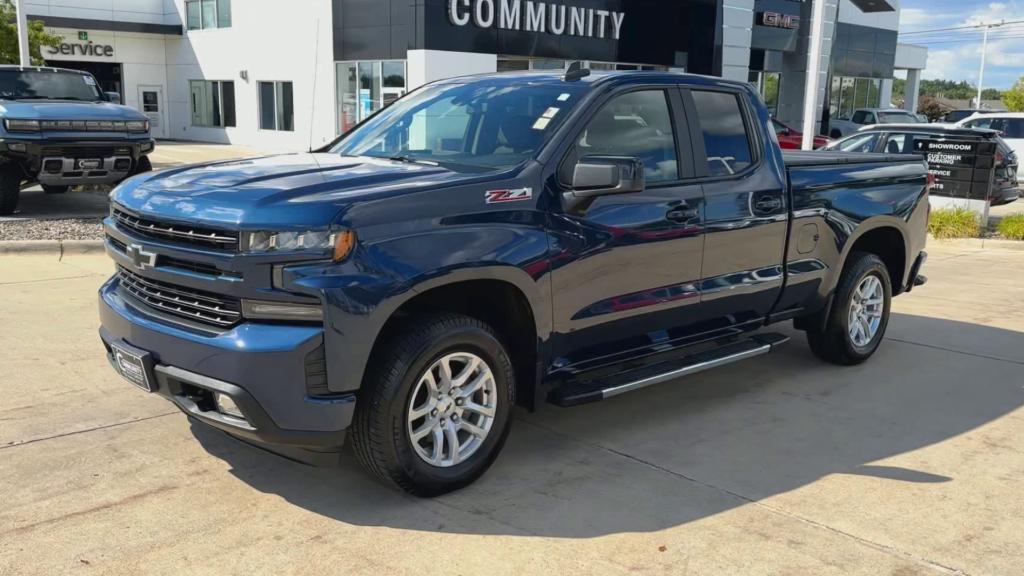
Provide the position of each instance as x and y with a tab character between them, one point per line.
835	135
142	165
53	189
379	431
834	343
10	188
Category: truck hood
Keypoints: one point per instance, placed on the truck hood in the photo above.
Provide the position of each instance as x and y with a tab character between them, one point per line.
277	192
67	110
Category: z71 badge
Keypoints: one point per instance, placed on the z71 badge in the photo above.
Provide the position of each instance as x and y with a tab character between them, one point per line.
496	196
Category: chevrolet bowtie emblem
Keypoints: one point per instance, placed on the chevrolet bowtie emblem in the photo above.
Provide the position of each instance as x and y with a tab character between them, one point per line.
140	257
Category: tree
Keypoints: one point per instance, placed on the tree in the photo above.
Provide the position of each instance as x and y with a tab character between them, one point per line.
37	36
1014	97
929	106
991	94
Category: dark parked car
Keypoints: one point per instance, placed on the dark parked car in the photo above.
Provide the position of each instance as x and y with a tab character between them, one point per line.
955	116
491	241
899	139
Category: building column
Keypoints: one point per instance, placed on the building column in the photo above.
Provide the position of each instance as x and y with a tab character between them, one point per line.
912	90
425	66
885	93
794	72
737	30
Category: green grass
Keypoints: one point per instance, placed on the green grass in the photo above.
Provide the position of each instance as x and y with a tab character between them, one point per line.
954	223
1012	227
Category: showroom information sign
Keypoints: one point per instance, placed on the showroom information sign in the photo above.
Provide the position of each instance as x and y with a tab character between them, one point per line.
962	168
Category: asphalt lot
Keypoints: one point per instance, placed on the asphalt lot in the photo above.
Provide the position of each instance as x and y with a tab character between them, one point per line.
911	464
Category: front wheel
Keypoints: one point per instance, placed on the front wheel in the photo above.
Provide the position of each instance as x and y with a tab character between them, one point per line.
142	165
859	314
435	409
10	188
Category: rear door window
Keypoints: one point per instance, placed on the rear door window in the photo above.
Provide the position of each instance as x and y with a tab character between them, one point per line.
1014	128
726	137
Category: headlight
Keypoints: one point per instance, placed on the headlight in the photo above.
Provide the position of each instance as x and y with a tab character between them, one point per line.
266	310
137	125
338	243
14	125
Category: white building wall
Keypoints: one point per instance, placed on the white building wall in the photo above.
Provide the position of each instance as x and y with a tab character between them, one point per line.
428	65
267	41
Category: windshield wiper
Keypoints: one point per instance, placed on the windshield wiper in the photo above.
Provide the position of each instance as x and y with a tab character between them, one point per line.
411	160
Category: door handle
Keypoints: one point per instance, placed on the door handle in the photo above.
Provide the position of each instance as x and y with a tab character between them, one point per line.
767	204
682	213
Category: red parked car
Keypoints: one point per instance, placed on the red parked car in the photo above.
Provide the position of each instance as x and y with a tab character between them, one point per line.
791	139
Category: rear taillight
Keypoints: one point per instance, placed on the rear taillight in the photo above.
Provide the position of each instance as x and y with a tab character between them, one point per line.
931	181
1000	157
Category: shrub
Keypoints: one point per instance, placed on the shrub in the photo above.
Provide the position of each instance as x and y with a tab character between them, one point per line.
1012	227
954	223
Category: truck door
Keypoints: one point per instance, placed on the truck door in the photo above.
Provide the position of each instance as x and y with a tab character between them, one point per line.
746	208
626	268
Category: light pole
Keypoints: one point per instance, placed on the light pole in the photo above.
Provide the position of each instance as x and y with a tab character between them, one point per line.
25	57
813	73
984	51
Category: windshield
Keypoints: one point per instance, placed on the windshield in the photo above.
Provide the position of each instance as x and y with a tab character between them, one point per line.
472	125
897	118
47	84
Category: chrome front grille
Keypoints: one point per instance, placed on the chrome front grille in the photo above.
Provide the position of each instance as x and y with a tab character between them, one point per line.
182	302
182	233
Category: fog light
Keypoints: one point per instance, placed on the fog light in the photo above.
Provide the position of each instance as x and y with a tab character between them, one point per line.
16	147
53	166
122	164
227	406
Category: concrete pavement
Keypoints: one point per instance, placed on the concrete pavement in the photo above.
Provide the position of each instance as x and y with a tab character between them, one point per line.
910	464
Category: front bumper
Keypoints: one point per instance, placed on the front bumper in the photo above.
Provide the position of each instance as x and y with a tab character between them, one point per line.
106	161
261	367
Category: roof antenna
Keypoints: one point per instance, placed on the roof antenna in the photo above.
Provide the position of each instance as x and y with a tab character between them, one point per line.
575	72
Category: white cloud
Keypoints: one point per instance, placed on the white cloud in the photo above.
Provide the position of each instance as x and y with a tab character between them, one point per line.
961	61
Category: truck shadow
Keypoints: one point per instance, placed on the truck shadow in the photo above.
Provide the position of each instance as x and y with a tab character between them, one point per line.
682	451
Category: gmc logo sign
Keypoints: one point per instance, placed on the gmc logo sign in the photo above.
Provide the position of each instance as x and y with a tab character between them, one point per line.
777	20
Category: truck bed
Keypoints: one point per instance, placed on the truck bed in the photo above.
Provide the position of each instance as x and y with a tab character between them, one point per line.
798	158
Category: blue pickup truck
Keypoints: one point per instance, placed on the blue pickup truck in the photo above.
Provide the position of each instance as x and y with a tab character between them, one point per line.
58	129
492	241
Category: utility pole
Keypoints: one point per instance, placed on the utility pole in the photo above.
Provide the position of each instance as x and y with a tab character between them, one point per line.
984	51
813	73
26	58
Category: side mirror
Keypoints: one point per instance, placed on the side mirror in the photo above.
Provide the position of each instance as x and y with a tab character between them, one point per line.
114	97
595	176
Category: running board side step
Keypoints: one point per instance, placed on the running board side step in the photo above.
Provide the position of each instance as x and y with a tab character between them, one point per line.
586	391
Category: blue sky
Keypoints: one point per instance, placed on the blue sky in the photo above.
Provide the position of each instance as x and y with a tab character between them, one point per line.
956	54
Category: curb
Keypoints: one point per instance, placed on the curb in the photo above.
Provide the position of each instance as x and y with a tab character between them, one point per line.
979	243
59	247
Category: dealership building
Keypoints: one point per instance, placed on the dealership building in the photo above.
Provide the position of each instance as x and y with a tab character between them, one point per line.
292	75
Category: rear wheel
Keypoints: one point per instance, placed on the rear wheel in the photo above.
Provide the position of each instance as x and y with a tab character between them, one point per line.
53	189
859	314
10	188
435	411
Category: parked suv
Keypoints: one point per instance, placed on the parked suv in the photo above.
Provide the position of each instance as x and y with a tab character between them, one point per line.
58	129
1010	126
493	241
900	138
837	128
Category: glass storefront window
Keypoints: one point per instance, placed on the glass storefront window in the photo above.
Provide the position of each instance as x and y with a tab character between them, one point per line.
847	93
767	84
362	88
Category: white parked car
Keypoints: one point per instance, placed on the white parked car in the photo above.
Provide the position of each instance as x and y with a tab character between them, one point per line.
1010	124
866	117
